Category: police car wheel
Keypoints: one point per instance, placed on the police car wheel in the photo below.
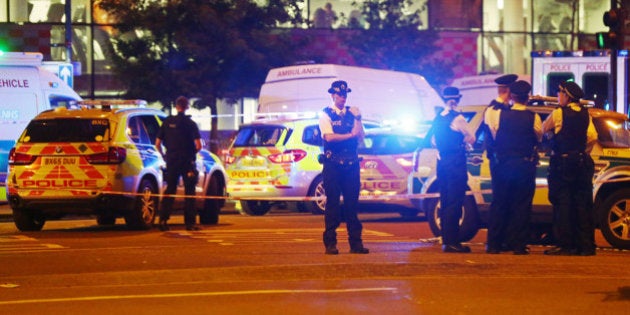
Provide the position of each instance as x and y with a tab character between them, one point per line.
141	217
468	224
28	220
316	190
614	219
211	207
255	207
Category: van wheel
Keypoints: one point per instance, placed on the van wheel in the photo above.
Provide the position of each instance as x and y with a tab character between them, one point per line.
316	190
28	220
141	217
468	223
211	207
614	219
255	207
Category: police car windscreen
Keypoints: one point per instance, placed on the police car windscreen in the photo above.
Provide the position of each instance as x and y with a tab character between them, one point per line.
377	144
252	136
612	133
66	130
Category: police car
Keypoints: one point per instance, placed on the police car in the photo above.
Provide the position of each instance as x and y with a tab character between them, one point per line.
277	159
97	159
611	191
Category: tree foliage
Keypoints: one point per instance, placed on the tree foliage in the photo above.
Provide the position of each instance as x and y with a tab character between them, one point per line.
207	49
393	39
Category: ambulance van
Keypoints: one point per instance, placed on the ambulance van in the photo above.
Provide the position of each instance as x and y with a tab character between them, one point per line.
26	89
381	95
480	89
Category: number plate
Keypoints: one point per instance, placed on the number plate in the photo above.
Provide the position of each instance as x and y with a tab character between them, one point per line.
58	160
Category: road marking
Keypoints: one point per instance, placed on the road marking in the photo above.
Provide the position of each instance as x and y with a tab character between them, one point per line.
24	244
289	235
175	295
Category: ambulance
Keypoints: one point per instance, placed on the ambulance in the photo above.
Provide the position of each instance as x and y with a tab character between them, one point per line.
382	95
480	89
26	89
589	69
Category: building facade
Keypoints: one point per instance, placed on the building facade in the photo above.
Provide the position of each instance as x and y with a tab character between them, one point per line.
486	35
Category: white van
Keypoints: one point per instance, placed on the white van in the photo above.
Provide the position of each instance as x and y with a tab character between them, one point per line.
479	89
381	95
26	89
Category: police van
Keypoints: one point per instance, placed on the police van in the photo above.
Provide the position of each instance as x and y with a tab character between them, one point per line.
99	158
591	70
26	88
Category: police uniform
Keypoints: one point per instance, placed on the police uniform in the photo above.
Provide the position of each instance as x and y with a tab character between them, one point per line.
451	131
570	176
178	134
516	133
341	172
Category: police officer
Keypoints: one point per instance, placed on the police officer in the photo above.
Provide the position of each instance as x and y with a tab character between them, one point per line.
570	176
451	133
491	113
516	133
342	130
180	135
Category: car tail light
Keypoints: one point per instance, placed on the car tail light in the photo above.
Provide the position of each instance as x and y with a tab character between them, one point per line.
16	158
115	155
288	156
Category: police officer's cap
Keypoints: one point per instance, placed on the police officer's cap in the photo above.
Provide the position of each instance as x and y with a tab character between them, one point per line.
520	87
451	93
339	87
506	80
572	90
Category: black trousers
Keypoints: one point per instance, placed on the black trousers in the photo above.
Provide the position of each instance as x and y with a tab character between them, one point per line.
452	177
570	182
342	180
514	184
188	172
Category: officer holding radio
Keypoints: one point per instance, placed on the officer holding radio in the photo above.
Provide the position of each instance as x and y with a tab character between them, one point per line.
341	130
570	175
180	135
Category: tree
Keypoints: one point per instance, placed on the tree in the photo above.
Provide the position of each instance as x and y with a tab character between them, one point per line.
207	49
393	40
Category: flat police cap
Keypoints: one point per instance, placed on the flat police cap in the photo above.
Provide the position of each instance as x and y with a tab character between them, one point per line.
520	87
572	89
451	92
339	87
506	80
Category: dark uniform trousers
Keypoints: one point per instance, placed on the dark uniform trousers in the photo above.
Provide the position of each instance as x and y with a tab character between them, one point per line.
186	169
508	221
571	191
453	177
342	180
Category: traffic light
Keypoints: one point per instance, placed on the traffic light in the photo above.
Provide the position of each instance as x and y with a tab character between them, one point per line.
607	40
615	19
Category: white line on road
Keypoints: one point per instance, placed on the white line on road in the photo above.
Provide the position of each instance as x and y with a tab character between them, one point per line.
176	295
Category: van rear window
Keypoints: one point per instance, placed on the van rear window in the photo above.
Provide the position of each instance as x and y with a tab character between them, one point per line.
66	130
255	136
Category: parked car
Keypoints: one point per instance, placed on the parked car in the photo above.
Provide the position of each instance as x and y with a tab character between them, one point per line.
273	160
95	159
611	193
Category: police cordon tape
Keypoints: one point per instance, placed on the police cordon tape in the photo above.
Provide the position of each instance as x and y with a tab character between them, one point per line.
279	198
362	197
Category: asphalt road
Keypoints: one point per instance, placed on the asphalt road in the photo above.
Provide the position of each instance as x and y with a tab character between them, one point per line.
275	264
